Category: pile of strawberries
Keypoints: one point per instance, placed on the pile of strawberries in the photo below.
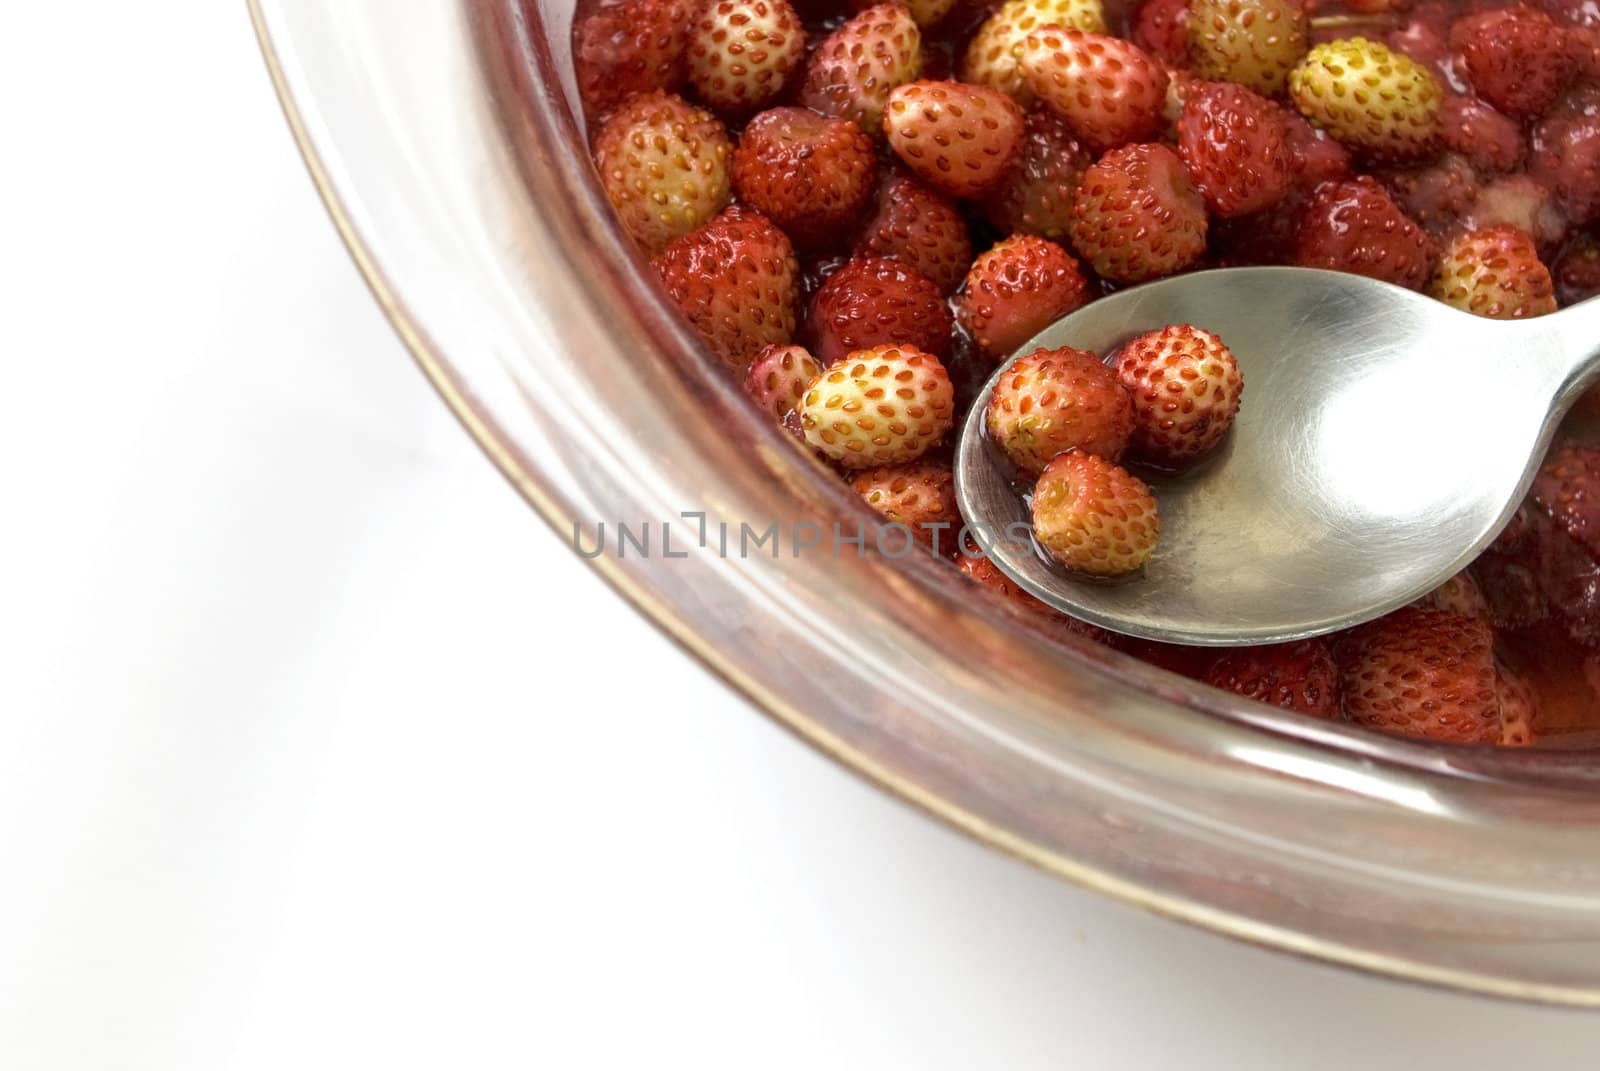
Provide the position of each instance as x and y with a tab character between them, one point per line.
862	210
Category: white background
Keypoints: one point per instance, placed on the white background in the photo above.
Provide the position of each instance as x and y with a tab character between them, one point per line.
317	750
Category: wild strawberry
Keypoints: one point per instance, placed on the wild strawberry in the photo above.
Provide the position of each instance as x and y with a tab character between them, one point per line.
1301	676
629	46
778	377
1436	195
1094	517
1161	28
1577	270
1252	42
1185	385
1424	36
1567	490
983	571
741	53
879	406
925	12
1107	89
1518	201
1519	709
1423	673
811	174
920	229
1355	226
1017	289
1488	140
1495	273
737	282
994	55
1035	197
1052	401
664	167
853	70
1566	158
1314	156
957	138
1516	58
870	302
1460	595
1368	97
920	495
1235	145
1137	216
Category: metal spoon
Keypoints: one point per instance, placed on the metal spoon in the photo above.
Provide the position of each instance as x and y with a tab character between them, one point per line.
1384	440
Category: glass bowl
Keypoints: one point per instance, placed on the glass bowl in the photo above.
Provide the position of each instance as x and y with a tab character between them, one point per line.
442	135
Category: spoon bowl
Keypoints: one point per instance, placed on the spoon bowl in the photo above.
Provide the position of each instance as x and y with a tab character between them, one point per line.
1383	441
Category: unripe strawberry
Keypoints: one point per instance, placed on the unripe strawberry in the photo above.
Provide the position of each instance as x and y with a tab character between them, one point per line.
778	377
1369	97
880	406
1252	42
664	166
741	53
1094	517
992	58
1495	273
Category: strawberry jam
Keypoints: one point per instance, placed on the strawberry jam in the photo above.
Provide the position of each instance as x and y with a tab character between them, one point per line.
862	209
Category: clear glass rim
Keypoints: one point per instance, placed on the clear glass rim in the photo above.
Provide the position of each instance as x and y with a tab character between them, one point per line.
1526	783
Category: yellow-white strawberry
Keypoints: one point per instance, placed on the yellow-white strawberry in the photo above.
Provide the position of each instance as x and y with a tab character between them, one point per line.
1252	42
993	56
1369	97
879	406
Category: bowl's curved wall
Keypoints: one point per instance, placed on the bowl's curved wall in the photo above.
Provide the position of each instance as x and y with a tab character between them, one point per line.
441	135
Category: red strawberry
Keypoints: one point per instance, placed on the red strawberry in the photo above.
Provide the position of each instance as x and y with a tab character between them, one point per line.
1185	386
1094	517
1035	197
871	302
920	229
1235	145
1161	28
1566	158
778	377
1052	401
851	73
920	495
1355	226
1137	216
1567	489
741	53
1314	156
1295	676
1017	289
1425	38
1107	89
1521	202
664	167
1267	237
1252	42
1490	141
1519	709
1437	195
957	138
1495	273
811	174
1518	60
627	47
984	571
1577	270
879	406
737	281
1423	673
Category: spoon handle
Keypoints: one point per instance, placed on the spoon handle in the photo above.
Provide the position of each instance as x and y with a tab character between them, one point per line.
1574	336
